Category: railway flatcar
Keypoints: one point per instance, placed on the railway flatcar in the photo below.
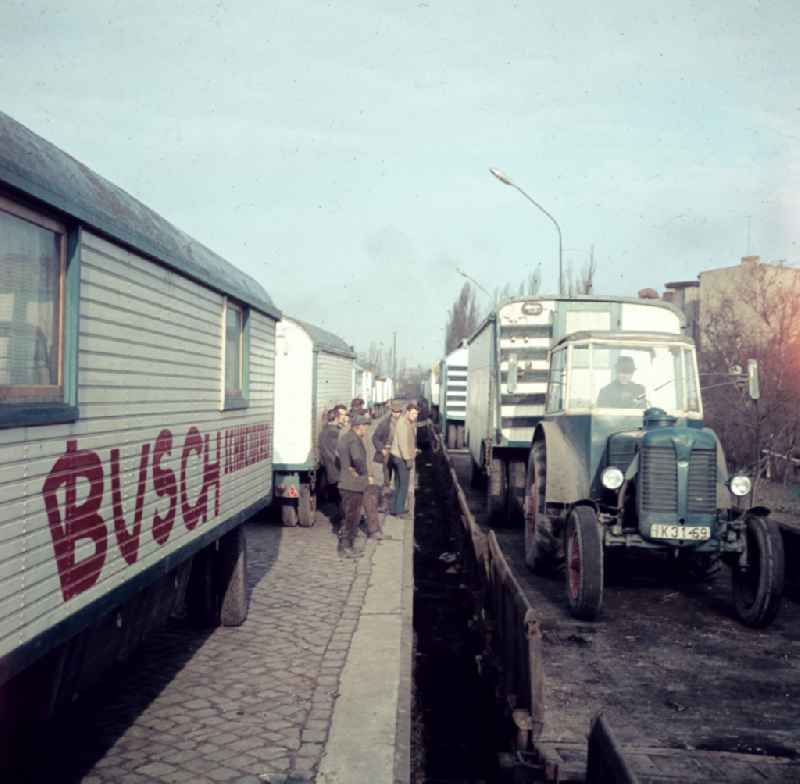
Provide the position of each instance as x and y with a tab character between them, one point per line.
136	424
313	373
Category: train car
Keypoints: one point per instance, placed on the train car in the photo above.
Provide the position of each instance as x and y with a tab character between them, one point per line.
136	424
453	396
313	373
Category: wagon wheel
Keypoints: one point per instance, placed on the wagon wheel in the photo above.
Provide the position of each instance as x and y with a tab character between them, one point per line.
542	550
305	506
584	563
758	589
289	513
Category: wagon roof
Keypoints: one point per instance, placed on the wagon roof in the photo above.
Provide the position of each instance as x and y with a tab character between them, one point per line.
326	341
611	336
42	171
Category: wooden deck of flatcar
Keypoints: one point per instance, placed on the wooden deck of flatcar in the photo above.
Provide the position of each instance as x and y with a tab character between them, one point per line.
670	667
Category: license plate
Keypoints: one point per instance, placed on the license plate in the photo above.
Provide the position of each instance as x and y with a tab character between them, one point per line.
695	533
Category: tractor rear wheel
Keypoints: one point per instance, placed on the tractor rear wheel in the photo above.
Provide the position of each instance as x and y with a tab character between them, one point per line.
758	589
584	555
542	546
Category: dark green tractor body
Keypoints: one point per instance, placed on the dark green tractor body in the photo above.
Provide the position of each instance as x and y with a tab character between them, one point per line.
601	479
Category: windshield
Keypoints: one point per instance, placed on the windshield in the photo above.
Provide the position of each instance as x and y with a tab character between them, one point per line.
629	376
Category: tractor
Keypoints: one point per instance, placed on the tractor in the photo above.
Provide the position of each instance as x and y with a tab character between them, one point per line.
621	460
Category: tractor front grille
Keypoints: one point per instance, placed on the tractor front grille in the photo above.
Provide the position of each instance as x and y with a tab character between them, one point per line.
703	482
659	479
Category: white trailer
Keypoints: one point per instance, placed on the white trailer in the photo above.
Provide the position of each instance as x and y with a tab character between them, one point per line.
364	385
453	375
430	391
508	372
313	372
136	423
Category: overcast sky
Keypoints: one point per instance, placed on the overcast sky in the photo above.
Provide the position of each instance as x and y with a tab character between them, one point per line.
338	152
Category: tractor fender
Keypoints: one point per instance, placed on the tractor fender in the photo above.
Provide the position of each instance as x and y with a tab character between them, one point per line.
567	475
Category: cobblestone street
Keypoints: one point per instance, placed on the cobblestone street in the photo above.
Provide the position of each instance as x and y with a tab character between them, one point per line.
248	704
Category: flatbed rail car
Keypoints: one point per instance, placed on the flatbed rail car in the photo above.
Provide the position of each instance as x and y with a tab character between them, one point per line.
136	422
691	693
314	371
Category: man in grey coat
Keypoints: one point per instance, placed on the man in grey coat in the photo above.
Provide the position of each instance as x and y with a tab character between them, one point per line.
353	481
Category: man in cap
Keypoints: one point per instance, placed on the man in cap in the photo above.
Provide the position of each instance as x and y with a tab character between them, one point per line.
623	392
353	481
382	439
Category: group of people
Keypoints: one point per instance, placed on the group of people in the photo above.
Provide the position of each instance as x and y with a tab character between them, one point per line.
357	468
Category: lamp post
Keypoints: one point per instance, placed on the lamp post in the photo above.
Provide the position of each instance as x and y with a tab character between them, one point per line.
470	278
506	181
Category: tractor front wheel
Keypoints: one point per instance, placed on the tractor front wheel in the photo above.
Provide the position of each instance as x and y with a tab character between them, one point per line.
758	588
584	563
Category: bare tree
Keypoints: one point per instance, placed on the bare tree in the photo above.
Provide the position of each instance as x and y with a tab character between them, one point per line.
533	282
758	318
462	319
585	281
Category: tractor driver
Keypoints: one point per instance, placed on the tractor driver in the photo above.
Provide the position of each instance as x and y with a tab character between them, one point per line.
622	392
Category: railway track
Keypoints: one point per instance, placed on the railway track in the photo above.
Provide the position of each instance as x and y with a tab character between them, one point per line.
686	691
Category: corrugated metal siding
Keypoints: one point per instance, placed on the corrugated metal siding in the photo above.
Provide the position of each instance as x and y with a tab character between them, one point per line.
528	337
149	361
456	392
334	384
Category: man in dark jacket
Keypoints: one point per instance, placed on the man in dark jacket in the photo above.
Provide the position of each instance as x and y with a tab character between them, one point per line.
623	392
353	481
326	444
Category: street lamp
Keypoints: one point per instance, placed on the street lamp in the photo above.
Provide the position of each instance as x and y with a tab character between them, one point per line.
506	181
470	278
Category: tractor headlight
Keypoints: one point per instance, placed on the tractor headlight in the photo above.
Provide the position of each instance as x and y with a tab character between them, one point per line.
740	485
612	478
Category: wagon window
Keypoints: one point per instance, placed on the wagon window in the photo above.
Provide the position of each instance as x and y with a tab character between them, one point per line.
32	264
236	355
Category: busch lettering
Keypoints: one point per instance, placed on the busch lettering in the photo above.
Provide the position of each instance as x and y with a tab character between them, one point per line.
75	523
